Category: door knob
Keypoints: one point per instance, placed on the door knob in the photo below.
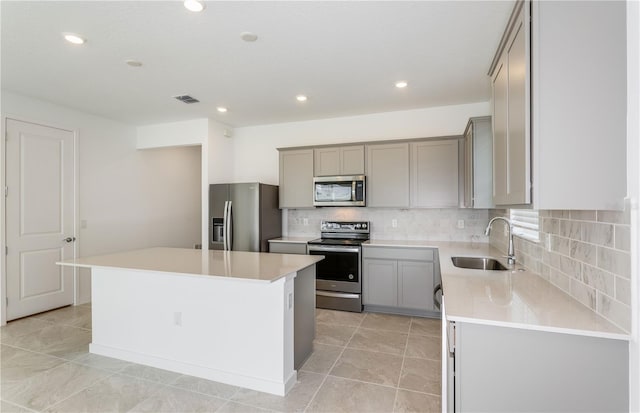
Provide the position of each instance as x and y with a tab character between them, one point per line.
69	239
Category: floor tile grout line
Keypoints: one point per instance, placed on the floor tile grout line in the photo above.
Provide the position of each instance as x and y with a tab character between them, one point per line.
324	379
78	392
404	356
388	386
19	405
173	385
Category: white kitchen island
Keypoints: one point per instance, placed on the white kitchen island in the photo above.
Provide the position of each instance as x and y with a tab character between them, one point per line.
221	315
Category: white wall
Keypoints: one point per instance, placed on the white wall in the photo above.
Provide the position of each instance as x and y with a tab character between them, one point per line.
221	153
129	198
256	157
191	132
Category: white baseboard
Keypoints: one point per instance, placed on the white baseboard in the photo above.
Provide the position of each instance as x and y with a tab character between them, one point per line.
234	379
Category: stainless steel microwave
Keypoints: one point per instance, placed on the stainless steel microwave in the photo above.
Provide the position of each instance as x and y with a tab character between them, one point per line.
339	190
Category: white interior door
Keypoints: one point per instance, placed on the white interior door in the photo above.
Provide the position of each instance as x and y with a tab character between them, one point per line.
40	217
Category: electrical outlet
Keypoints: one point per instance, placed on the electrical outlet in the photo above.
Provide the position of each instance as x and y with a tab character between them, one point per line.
461	224
305	221
394	223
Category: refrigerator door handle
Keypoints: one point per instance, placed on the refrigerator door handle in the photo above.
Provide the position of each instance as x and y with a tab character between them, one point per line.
230	226
224	225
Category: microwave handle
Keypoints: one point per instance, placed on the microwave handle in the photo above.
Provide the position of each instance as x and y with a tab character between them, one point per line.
353	191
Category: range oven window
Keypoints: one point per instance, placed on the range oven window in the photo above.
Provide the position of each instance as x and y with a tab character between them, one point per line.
337	266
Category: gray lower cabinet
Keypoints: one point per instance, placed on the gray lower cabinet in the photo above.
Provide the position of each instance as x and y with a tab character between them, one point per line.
282	247
503	369
399	280
380	282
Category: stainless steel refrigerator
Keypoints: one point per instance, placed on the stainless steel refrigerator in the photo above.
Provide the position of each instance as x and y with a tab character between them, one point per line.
242	217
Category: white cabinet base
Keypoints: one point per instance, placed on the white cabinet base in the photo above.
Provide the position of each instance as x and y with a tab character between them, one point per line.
227	330
501	369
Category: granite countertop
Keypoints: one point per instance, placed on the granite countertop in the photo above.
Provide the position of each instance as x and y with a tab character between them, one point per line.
239	265
516	298
298	240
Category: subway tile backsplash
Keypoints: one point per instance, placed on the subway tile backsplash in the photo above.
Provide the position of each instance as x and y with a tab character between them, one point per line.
412	224
585	254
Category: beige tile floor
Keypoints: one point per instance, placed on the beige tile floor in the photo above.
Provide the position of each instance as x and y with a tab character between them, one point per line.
361	363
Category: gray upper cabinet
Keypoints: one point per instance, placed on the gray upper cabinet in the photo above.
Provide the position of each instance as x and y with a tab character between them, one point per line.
579	89
339	160
388	175
478	161
434	174
559	106
296	178
511	144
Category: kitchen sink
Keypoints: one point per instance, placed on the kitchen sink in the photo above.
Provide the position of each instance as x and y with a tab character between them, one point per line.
478	263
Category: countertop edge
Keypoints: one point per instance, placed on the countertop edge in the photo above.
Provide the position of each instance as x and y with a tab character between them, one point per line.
447	250
181	274
137	260
547	329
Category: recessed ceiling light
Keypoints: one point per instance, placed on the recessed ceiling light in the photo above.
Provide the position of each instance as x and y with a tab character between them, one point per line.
221	109
401	84
194	5
301	98
248	36
73	38
133	63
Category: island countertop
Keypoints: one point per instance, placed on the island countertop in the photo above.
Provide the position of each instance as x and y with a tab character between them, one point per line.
240	265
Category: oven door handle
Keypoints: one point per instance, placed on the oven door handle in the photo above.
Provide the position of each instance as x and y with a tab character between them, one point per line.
333	249
336	295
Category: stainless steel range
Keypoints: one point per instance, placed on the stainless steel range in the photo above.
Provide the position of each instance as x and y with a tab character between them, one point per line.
339	275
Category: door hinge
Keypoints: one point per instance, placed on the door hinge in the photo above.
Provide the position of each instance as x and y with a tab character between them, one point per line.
6	191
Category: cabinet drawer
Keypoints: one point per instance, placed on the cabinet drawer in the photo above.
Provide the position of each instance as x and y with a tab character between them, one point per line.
288	248
420	254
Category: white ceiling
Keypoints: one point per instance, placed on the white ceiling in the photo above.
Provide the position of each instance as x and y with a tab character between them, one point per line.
345	55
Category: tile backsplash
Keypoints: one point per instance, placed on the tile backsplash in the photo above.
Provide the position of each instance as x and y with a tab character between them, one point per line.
412	224
584	253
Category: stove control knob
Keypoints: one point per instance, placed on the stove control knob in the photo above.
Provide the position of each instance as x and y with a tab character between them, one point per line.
358	226
364	226
351	276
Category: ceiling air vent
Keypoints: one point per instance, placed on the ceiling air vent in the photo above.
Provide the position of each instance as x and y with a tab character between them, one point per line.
187	99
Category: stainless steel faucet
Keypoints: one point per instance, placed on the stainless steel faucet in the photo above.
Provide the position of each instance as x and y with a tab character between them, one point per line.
511	257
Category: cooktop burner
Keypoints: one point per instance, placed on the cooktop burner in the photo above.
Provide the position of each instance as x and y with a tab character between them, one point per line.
347	233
